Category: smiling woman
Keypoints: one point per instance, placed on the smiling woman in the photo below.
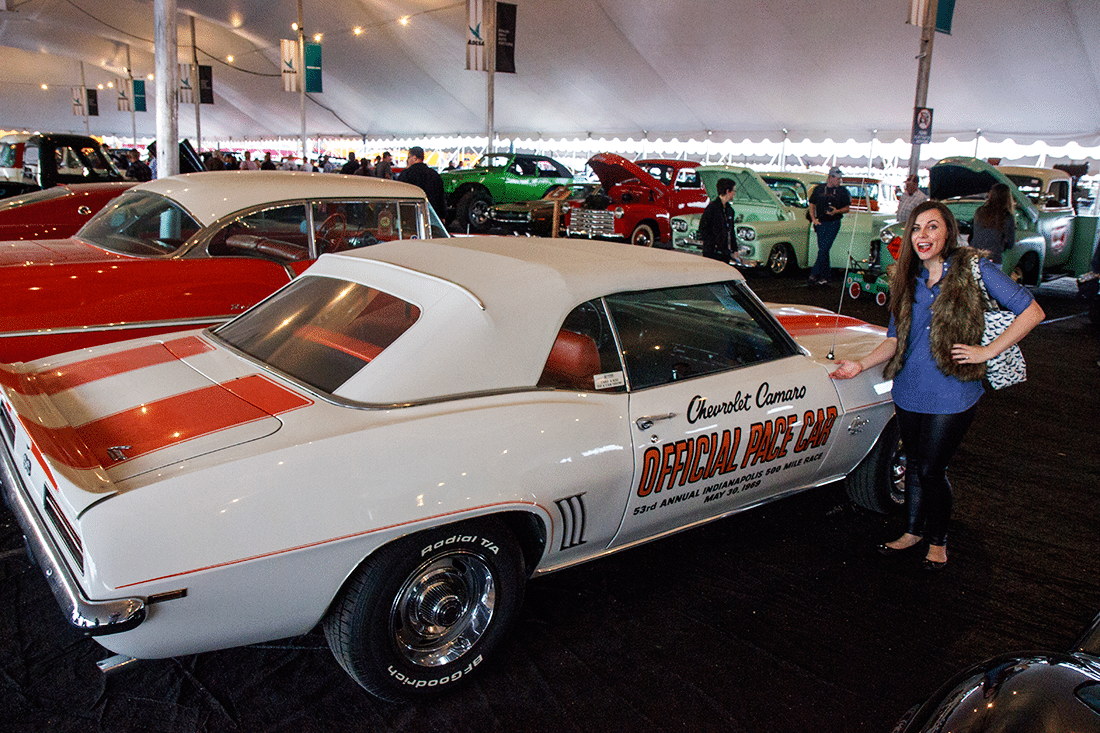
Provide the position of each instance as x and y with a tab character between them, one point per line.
933	353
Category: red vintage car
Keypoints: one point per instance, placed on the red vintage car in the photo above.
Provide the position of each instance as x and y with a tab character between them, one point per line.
638	199
56	212
191	251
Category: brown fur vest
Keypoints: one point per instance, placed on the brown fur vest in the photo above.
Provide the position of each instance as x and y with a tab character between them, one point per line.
958	317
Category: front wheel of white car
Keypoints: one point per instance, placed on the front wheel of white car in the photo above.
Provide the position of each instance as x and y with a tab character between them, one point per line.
425	612
878	482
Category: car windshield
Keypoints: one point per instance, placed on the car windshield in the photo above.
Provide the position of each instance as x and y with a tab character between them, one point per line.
660	171
141	223
790	191
320	330
1030	186
493	161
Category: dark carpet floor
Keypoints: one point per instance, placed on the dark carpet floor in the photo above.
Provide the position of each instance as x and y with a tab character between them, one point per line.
779	619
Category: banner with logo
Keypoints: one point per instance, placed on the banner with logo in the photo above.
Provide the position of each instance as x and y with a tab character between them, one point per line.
291	64
78	101
186	93
922	125
123	88
93	102
475	43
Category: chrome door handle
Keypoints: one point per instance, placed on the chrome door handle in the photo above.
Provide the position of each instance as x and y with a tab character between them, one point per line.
646	422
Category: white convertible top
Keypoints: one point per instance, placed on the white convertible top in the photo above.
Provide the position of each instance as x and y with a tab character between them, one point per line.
492	306
221	193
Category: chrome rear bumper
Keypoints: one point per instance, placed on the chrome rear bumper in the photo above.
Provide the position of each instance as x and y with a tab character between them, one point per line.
91	617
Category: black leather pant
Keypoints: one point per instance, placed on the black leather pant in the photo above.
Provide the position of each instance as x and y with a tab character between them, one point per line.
930	441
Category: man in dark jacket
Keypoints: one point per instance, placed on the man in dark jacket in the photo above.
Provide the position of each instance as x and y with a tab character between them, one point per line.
138	171
420	174
716	224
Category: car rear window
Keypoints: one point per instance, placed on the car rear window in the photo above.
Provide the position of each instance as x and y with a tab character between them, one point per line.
321	330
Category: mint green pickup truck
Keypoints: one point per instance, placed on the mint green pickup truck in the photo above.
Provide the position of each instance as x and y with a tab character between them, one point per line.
773	229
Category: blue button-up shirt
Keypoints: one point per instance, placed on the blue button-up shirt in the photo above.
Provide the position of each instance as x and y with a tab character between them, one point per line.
920	386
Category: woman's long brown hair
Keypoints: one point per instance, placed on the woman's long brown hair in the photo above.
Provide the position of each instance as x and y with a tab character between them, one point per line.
903	283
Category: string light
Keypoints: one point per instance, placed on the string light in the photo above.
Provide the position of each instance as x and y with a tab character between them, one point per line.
404	20
229	59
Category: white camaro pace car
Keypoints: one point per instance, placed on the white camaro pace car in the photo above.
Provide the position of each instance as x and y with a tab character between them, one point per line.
395	441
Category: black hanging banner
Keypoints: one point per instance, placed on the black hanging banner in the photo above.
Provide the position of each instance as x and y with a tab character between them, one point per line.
506	38
93	103
206	84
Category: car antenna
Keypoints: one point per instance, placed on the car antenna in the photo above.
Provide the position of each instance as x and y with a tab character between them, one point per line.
847	268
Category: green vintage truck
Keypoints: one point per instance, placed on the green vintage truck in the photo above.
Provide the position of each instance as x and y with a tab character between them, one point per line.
773	229
498	178
1050	238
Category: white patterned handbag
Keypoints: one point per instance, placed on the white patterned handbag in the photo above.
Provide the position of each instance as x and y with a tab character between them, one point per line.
1007	368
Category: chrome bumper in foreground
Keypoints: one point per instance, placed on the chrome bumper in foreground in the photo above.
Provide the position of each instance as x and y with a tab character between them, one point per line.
91	617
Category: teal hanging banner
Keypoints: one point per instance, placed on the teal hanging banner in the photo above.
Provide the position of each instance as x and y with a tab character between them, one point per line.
139	95
944	12
313	68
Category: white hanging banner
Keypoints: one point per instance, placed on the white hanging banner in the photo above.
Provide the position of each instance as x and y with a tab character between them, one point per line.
78	101
476	59
291	64
186	91
123	87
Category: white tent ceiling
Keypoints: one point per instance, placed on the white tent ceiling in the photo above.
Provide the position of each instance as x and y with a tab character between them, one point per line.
690	69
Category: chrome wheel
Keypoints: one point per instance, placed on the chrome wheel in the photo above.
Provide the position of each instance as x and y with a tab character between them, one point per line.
443	609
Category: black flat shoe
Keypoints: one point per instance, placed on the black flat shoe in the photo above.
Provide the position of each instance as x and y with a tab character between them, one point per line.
932	566
885	549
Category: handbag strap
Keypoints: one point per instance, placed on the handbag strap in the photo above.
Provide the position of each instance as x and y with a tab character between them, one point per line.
976	271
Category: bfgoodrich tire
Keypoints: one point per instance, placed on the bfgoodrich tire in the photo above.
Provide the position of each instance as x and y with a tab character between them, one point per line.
878	482
424	612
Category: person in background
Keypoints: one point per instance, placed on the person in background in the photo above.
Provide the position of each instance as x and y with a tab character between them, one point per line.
716	224
912	197
382	170
420	174
932	353
351	166
248	164
994	228
138	170
268	164
152	153
829	202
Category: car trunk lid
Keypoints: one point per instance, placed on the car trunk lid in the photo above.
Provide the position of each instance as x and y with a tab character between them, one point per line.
97	422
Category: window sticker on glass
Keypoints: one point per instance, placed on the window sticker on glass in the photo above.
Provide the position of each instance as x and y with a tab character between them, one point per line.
610	380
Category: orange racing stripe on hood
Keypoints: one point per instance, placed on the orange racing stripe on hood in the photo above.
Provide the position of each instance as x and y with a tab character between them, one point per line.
806	324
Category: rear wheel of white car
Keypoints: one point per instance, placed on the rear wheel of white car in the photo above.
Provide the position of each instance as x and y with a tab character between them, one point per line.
422	613
781	260
643	236
878	482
